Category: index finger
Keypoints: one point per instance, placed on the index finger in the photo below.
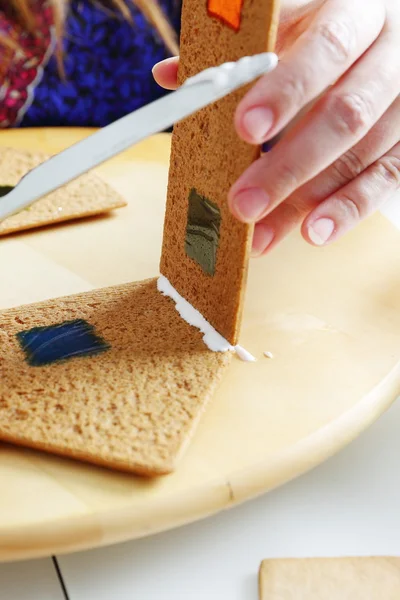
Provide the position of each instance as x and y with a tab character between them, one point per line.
340	33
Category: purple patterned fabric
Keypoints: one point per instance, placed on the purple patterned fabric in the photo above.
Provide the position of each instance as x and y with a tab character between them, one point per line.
108	65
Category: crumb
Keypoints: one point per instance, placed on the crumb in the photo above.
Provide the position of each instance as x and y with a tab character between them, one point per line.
268	355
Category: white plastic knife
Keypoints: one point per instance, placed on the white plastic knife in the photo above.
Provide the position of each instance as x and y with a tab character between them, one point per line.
197	92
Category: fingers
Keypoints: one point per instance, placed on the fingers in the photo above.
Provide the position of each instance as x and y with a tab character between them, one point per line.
263	237
269	232
340	33
291	213
165	73
345	209
334	125
379	140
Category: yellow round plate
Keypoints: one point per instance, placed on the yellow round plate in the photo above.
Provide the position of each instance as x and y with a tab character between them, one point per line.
331	318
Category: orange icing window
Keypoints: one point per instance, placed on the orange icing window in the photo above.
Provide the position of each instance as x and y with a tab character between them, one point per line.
228	11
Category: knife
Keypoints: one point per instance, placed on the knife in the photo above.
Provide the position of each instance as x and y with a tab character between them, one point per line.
198	91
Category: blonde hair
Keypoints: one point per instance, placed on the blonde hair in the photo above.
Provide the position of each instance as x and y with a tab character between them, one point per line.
23	13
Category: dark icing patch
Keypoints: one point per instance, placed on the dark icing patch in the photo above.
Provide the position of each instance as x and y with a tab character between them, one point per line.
47	345
202	231
4	189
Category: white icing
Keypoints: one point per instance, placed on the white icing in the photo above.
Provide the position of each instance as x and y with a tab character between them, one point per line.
212	339
268	355
244	354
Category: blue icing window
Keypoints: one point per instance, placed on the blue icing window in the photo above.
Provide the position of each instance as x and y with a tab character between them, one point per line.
46	345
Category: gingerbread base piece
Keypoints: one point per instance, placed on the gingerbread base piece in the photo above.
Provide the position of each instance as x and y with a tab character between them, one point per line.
87	196
372	578
114	377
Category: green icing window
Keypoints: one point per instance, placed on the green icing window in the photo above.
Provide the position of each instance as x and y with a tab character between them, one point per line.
202	231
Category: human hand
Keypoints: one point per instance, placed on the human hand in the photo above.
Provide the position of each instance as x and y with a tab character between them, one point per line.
340	160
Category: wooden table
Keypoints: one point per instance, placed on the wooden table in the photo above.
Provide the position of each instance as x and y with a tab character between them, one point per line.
330	317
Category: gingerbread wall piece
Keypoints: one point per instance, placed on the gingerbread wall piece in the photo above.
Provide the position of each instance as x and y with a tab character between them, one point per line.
207	157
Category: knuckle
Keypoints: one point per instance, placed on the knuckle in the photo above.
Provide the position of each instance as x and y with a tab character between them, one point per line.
351	210
388	167
348	167
288	179
294	210
337	38
351	113
292	89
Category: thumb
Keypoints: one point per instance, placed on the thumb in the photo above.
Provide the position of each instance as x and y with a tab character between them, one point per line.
165	73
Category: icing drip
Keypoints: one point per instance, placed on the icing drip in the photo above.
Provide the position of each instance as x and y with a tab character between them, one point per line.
212	339
244	354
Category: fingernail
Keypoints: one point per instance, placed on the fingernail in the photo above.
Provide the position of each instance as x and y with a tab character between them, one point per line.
257	122
251	204
165	61
320	231
262	239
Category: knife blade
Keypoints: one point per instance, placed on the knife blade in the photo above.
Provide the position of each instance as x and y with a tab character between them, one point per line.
199	91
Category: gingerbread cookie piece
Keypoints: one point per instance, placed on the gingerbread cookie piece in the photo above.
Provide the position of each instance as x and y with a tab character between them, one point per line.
86	196
114	377
206	250
375	578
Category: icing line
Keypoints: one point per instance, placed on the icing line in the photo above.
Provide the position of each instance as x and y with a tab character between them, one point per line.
212	339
